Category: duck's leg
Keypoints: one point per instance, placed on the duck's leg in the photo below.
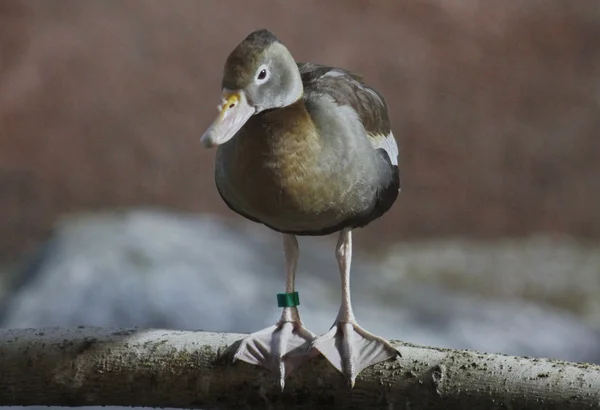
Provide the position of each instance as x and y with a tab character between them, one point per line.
346	345
284	346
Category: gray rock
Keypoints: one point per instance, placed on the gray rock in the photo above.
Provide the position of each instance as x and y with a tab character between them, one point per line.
548	269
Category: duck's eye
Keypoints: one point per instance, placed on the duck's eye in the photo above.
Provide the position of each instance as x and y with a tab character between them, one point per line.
262	74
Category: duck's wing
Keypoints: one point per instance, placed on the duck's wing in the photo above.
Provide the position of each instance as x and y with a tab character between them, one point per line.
348	89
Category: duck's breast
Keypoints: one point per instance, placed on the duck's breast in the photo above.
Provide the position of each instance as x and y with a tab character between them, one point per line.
299	171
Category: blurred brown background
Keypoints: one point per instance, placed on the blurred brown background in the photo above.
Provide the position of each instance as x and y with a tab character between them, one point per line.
495	106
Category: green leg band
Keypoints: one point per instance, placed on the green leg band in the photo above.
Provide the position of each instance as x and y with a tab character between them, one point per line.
288	299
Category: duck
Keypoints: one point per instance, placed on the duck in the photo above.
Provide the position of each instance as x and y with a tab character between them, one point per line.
306	150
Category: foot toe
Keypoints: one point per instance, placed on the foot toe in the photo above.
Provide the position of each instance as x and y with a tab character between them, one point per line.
350	349
281	348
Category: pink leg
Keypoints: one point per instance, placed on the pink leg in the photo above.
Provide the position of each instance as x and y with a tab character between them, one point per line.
284	346
346	345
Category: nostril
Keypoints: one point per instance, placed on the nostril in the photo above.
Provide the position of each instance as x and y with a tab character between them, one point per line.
231	105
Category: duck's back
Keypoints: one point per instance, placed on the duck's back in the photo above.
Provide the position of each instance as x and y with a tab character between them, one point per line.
325	163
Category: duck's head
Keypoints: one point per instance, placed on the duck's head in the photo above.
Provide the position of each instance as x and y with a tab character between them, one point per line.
259	74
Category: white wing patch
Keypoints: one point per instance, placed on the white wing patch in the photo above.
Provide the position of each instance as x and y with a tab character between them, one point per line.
388	143
334	73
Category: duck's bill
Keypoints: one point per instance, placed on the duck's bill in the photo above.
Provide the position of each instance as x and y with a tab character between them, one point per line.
234	112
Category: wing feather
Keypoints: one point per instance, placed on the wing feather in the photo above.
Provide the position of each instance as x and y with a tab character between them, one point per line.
348	89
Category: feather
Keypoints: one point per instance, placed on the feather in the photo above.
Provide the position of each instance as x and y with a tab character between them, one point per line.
348	89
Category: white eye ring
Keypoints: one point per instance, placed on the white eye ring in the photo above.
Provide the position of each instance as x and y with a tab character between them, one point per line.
262	74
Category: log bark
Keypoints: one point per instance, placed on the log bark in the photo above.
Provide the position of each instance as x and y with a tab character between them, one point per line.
193	369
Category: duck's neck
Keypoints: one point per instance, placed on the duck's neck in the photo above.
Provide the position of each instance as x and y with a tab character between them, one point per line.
291	124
